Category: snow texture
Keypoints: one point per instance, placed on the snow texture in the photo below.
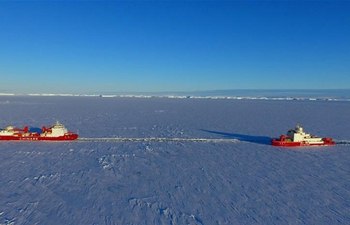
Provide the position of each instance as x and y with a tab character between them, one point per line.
154	161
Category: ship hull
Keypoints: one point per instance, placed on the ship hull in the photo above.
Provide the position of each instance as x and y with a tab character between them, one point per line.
277	142
69	137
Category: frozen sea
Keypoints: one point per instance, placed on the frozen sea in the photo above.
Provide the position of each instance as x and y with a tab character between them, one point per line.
243	180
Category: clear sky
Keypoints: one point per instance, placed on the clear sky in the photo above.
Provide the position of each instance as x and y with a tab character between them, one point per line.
122	46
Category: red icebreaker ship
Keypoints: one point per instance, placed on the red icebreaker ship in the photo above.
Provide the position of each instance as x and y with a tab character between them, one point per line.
298	137
56	132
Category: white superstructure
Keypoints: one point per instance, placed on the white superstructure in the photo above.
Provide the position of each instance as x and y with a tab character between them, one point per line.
57	130
9	131
298	135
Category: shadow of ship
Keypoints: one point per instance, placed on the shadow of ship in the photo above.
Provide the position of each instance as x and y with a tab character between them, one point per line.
264	140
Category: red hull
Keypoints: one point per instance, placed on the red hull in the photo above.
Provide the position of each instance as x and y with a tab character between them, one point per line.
37	137
277	142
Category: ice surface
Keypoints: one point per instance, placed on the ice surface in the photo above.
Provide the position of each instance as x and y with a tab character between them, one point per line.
243	181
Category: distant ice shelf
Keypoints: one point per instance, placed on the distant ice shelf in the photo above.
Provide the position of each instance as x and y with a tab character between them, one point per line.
214	97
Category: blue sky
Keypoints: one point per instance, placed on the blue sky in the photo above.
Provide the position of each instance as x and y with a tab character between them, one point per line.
126	46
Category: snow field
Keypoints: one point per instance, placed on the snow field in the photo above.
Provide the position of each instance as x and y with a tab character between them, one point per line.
245	181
